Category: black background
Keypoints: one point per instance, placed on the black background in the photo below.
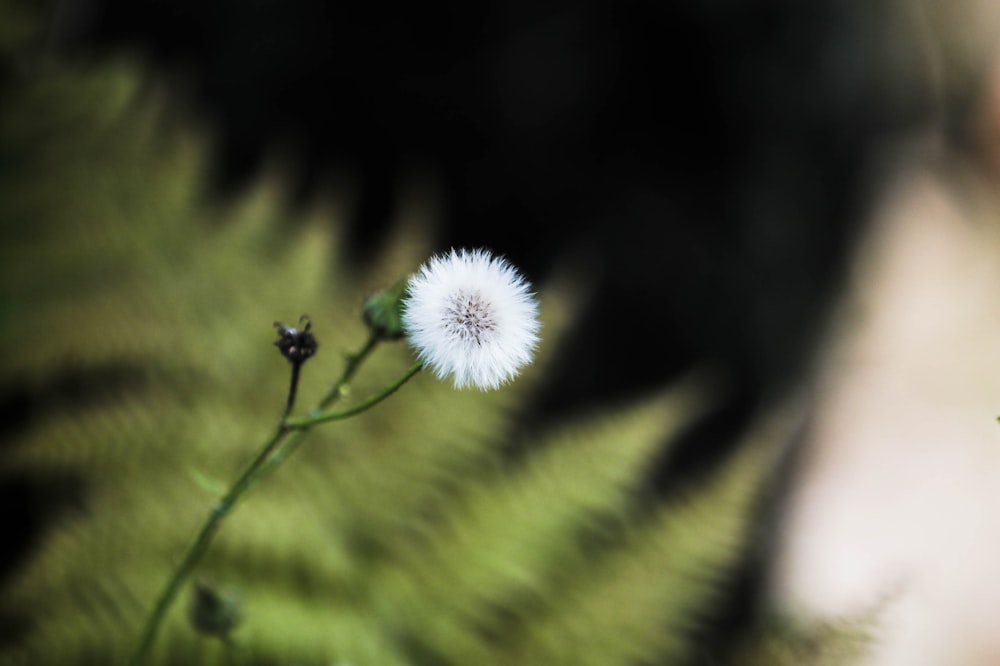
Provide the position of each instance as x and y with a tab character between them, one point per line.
704	162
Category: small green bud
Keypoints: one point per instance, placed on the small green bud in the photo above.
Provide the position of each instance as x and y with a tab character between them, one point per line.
383	311
213	612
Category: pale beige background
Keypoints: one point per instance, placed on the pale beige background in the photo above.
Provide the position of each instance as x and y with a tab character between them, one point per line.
898	508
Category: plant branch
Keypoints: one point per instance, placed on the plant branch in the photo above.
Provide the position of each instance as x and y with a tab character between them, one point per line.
309	421
197	549
268	458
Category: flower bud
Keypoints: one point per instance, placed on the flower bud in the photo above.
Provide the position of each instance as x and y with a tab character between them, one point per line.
213	612
383	311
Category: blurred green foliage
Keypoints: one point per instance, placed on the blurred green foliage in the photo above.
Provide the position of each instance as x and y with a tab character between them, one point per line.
136	331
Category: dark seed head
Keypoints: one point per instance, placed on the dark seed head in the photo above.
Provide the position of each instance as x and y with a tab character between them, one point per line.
297	345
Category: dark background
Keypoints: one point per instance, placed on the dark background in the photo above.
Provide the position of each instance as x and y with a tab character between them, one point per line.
705	164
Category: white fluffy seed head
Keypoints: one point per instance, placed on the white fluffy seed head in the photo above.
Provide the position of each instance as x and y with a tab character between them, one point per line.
471	315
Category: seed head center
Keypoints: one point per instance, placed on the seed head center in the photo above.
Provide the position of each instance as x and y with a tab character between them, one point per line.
470	317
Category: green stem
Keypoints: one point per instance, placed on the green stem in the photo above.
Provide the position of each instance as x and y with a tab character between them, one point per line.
197	549
256	470
307	422
354	361
337	391
302	426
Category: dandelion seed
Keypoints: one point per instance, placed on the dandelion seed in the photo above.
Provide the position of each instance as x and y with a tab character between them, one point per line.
471	315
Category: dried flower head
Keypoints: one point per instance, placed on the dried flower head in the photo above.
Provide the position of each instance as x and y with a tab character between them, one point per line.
294	344
471	315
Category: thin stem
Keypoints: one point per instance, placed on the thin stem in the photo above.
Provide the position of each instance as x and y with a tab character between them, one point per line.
292	389
353	363
200	545
253	472
302	426
309	421
336	392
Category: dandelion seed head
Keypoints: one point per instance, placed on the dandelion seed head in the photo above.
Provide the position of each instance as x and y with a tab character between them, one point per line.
472	316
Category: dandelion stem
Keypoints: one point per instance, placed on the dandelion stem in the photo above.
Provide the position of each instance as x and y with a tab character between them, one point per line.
302	425
353	363
267	458
309	421
197	549
292	388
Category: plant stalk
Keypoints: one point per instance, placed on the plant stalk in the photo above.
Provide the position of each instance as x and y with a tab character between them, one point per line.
266	460
309	421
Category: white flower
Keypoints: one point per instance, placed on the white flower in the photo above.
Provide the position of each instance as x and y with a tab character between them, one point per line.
471	315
